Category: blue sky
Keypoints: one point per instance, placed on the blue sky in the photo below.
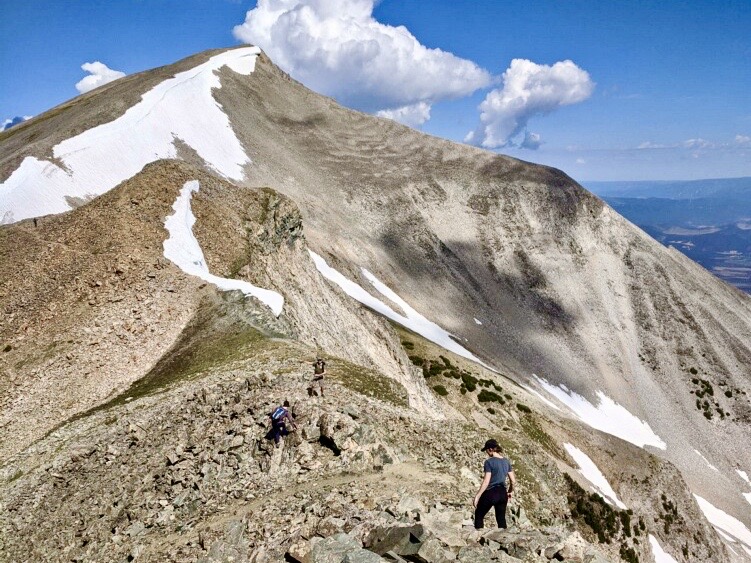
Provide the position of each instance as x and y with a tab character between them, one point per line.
655	90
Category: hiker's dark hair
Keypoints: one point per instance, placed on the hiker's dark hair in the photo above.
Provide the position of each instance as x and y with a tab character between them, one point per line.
286	403
495	449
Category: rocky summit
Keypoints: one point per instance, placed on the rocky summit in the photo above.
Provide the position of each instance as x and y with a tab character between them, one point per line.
179	246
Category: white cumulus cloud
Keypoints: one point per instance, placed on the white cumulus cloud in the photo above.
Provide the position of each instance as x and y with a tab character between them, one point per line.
338	48
8	123
742	140
529	89
531	141
99	74
413	115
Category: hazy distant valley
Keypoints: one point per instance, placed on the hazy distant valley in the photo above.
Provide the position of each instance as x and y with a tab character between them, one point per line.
708	220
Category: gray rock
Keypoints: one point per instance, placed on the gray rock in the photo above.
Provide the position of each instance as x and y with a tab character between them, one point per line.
328	550
433	551
361	555
136	528
402	540
348	540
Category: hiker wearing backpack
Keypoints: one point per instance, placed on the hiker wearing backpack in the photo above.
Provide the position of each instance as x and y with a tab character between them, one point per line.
282	422
319	371
493	491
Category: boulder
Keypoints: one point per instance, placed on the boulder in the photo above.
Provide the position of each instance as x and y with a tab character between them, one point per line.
433	551
361	555
328	550
446	525
402	540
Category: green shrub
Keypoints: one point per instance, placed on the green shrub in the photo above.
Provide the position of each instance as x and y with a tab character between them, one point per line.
469	381
417	360
408	345
491	410
441	390
523	408
593	511
486	396
628	554
435	369
693	371
446	361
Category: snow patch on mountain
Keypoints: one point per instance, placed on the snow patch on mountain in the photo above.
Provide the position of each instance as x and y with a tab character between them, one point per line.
183	250
743	475
725	524
706	460
97	160
411	319
607	416
592	473
660	555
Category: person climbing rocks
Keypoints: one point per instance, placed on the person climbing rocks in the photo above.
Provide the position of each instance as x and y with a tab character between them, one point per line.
319	371
282	422
493	491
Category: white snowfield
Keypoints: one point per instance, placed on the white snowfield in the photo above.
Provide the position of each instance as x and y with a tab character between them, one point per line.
729	528
607	416
660	555
593	474
743	475
706	460
100	158
182	248
413	320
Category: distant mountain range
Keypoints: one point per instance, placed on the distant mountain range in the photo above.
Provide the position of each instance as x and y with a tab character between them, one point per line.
722	188
708	220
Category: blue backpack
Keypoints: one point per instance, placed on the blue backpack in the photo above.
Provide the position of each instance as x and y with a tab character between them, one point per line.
278	414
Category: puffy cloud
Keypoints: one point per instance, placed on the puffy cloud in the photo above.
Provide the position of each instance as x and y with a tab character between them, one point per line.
336	47
8	123
742	140
529	89
531	141
99	74
413	115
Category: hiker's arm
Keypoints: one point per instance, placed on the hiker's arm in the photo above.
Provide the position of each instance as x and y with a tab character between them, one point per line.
291	419
511	478
483	487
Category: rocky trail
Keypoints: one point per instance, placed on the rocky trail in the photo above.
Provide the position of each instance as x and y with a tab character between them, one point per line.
183	471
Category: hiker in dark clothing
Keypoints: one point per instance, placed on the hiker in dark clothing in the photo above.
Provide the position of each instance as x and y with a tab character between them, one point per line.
282	422
319	371
492	492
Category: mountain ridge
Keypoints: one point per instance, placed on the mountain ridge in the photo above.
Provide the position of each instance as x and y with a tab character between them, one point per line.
460	234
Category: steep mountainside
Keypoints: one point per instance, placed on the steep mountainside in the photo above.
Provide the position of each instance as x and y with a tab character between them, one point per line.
623	348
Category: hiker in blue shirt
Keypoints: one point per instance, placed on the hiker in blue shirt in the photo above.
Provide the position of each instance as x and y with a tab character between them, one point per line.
282	422
492	492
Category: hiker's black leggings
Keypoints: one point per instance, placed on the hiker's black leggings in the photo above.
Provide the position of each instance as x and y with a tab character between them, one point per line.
496	497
